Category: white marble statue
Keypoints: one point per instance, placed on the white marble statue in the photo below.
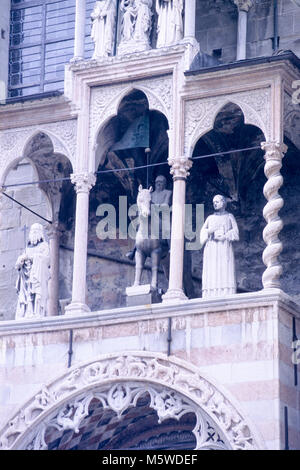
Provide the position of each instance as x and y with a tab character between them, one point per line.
161	195
217	235
170	22
33	267
135	25
143	21
129	10
103	27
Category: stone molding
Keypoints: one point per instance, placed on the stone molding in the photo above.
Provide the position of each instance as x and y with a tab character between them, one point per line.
159	312
83	182
274	152
117	380
200	113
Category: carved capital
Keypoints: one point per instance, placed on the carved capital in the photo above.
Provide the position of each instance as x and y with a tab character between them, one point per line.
244	5
54	230
180	167
274	150
83	181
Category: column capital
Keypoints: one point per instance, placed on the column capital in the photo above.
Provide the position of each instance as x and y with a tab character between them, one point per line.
180	167
83	181
274	150
244	5
54	230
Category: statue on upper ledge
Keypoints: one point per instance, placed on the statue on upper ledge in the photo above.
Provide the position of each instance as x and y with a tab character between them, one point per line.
33	267
170	22
217	234
103	27
135	26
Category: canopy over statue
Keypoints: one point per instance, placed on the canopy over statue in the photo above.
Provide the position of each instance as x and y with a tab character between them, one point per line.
33	267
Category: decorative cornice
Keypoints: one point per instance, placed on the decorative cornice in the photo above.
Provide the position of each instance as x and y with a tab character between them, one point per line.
83	181
158	312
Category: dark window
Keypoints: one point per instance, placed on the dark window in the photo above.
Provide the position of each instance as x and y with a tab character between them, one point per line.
41	43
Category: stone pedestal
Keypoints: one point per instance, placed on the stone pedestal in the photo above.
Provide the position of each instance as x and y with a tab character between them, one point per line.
142	295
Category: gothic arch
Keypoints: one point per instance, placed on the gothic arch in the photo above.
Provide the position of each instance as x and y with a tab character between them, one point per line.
117	380
14	144
200	115
105	105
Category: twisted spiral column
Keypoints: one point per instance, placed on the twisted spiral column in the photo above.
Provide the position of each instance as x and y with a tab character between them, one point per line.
274	152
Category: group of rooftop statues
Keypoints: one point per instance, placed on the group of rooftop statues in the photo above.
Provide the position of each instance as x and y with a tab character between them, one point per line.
216	236
135	25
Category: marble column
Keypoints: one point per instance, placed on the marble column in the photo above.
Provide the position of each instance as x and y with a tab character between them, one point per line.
243	8
180	170
190	19
53	235
274	152
83	183
79	30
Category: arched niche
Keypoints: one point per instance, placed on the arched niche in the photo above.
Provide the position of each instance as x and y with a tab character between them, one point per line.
118	154
239	176
39	165
114	387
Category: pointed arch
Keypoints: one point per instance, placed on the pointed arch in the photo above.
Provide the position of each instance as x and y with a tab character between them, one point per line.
200	116
157	373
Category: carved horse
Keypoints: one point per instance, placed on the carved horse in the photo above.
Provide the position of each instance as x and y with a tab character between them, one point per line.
146	246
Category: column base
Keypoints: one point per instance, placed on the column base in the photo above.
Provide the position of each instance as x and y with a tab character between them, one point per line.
173	296
76	308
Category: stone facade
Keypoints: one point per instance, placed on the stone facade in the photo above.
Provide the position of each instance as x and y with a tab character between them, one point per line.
227	364
4	44
243	349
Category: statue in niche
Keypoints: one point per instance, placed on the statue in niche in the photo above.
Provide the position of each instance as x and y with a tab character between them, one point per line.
143	21
170	23
161	197
135	26
103	27
145	244
33	267
129	18
218	233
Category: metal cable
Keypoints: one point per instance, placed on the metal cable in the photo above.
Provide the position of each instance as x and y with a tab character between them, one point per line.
117	170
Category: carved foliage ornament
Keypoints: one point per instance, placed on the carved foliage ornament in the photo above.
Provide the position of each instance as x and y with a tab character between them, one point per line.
62	135
244	5
105	100
83	181
117	382
200	113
